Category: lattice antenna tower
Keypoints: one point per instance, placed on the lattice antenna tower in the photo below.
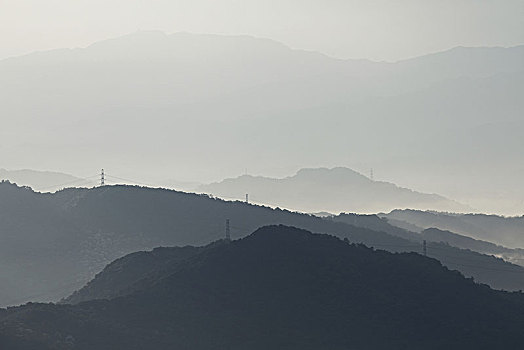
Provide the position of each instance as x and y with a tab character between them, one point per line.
228	231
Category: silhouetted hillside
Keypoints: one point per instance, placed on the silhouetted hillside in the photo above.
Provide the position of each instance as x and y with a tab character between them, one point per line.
506	231
333	190
281	288
48	181
443	246
375	223
134	272
53	244
515	256
453	240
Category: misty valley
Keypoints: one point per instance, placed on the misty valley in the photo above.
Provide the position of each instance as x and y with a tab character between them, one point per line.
225	175
130	267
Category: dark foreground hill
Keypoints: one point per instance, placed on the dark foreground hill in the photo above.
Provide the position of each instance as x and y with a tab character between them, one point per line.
53	244
279	288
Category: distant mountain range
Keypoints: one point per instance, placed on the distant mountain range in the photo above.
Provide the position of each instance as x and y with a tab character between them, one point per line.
414	233
333	190
310	190
46	181
506	231
278	288
52	244
202	107
515	255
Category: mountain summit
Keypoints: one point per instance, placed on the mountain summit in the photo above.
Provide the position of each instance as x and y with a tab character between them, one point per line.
333	190
279	288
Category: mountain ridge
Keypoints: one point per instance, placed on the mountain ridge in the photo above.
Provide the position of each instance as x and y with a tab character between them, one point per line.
328	189
41	180
275	102
52	244
283	287
502	230
160	34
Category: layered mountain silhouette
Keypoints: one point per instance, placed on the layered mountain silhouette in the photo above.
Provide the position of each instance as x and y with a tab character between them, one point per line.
417	120
54	243
333	190
280	287
515	256
48	181
416	234
506	231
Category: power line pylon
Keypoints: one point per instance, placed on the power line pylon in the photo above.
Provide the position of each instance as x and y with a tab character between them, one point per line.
228	231
102	178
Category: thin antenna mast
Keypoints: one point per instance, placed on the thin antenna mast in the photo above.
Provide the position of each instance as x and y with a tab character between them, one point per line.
102	178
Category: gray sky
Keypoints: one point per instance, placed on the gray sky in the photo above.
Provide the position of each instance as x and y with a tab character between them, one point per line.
375	29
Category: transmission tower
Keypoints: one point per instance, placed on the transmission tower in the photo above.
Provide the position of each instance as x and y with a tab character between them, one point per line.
228	231
247	198
102	178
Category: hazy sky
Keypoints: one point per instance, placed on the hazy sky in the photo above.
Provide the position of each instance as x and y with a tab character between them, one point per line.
375	29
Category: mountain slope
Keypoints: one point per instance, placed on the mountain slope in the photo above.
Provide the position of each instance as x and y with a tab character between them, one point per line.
375	223
47	181
195	99
332	190
123	276
515	256
506	231
52	244
283	288
451	239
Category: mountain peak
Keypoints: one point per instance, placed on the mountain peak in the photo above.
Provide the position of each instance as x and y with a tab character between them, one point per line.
278	234
329	293
333	190
338	173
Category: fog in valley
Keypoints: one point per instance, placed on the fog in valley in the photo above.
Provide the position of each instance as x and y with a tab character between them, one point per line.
261	174
153	107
